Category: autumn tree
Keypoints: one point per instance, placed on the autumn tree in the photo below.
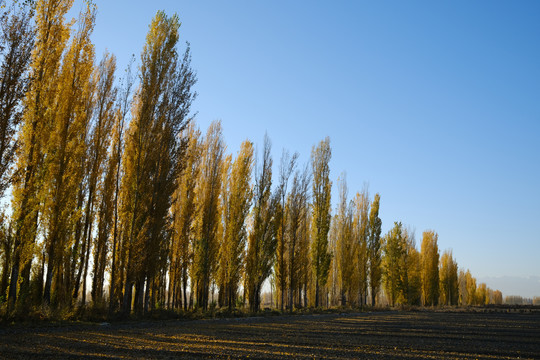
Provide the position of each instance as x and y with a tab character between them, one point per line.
394	250
287	166
262	239
297	215
65	150
114	168
497	297
413	270
374	249
361	234
152	160
303	258
345	246
448	283
52	34
235	212
184	215
470	283
208	214
322	186
102	171
430	268
16	43
482	297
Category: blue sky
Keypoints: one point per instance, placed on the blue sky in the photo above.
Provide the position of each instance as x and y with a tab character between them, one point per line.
435	105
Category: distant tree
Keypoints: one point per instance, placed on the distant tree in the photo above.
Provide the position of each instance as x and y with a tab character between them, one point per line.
374	248
498	297
322	186
482	297
430	268
449	282
394	250
413	269
462	283
471	288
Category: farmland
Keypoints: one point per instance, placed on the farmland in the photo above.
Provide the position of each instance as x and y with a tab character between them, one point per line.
385	335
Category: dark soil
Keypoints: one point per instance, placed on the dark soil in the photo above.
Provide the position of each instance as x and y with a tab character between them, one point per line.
384	335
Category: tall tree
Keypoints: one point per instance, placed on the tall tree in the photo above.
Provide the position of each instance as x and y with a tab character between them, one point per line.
153	159
346	249
297	208
115	167
232	257
102	171
52	34
16	43
65	150
448	284
184	215
395	273
412	270
262	239
322	186
361	234
374	249
208	217
287	166
430	268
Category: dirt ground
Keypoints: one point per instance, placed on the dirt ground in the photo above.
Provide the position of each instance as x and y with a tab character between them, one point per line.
384	335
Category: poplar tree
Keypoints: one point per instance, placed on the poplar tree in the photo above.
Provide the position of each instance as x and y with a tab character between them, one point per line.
345	248
102	169
297	208
448	282
16	43
287	166
65	150
152	160
411	262
115	169
430	268
361	232
262	239
52	34
394	249
205	247
374	249
184	215
470	283
322	186
235	212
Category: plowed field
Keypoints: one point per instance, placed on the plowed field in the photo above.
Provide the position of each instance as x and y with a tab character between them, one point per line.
384	335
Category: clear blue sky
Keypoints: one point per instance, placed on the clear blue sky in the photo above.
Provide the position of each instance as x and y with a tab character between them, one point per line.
435	104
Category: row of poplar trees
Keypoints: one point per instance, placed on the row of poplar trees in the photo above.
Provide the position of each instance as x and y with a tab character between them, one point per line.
114	192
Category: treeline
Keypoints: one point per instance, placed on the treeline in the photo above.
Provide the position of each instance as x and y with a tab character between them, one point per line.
114	192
